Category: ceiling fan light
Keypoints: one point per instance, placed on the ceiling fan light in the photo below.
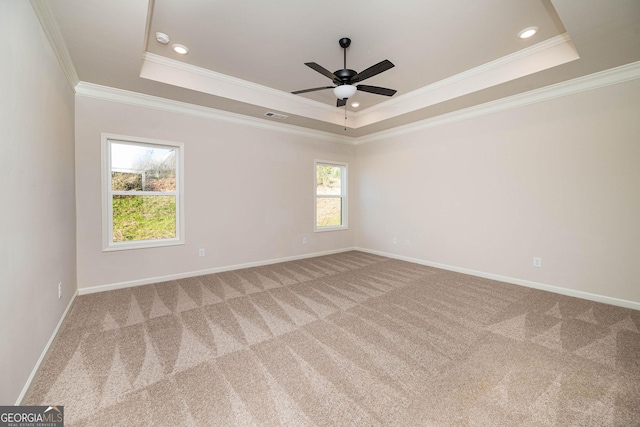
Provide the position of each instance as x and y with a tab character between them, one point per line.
344	91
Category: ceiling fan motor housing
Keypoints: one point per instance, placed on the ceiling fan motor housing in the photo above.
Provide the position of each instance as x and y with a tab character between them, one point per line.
344	76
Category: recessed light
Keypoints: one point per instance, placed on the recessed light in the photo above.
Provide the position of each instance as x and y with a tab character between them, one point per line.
355	104
162	38
181	49
527	32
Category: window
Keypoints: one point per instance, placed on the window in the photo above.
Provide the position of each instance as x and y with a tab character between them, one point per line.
331	196
142	193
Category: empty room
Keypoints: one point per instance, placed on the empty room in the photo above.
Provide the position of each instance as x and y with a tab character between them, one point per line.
346	212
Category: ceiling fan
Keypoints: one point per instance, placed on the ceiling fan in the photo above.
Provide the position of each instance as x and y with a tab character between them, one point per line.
344	79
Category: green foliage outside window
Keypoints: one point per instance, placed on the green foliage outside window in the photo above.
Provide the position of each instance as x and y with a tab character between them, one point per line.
144	186
144	218
329	186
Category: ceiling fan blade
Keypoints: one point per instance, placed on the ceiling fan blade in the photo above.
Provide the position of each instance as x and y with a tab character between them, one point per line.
341	102
372	71
377	90
311	90
321	70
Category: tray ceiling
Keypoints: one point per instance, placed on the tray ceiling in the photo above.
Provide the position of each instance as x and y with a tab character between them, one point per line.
246	57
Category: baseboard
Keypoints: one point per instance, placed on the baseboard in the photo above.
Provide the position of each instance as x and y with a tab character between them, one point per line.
541	286
535	285
147	281
555	289
45	351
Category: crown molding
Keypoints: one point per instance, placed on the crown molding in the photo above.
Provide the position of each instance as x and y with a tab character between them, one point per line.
489	66
549	53
176	73
589	82
541	56
601	79
52	31
593	81
172	63
105	93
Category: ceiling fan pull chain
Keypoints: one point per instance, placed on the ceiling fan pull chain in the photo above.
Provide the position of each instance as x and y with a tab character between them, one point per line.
345	116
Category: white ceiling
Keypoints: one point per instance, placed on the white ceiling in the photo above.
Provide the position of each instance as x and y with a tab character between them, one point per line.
246	57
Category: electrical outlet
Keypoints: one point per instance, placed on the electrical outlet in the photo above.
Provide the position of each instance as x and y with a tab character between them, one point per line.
201	251
394	241
537	262
59	290
305	240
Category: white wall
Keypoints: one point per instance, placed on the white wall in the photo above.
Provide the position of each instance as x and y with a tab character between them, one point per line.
248	192
558	180
37	212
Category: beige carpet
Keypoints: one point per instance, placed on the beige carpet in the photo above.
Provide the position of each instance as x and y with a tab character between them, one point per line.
346	339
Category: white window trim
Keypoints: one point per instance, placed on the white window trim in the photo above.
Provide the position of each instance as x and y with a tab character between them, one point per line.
107	201
344	195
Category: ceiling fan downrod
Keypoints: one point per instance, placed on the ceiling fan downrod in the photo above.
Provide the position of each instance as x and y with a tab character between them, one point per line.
345	42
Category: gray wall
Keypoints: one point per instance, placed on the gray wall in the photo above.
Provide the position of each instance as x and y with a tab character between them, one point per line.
558	180
248	194
37	213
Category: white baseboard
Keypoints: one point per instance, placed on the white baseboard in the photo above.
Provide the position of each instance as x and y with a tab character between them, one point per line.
158	279
132	283
555	289
550	288
45	351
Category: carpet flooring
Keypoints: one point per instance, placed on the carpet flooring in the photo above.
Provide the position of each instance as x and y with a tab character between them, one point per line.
347	339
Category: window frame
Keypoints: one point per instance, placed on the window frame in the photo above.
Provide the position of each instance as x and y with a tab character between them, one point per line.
343	196
108	244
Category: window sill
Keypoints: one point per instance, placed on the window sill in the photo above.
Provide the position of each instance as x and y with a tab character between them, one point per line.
141	244
323	229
